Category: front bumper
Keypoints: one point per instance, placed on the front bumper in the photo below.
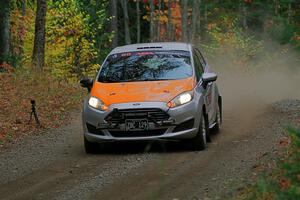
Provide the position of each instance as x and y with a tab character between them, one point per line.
182	122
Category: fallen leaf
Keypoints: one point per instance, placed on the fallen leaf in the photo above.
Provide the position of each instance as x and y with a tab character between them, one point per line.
284	183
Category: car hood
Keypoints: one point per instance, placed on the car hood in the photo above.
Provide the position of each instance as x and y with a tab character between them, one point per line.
145	91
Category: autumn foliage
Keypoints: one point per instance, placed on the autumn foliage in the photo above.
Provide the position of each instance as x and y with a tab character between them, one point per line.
53	98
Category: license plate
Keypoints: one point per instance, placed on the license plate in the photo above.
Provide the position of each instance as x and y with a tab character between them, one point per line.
136	124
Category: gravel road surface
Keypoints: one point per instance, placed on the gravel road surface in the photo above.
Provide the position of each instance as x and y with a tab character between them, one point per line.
53	165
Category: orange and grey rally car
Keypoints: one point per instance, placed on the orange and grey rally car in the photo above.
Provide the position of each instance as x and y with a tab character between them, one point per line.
152	91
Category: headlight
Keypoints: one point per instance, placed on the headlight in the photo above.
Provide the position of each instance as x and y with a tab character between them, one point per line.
181	99
97	103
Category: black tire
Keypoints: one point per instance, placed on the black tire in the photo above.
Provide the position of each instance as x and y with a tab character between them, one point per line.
90	147
199	142
218	120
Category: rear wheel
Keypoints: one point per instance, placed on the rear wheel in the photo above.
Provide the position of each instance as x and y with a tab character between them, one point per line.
200	141
90	147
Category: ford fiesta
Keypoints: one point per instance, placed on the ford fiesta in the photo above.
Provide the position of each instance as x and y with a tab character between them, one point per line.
154	91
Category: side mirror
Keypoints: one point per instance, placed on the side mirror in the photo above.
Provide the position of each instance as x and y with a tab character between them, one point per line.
209	77
87	83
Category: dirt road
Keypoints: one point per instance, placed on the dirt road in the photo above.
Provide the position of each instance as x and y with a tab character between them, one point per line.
53	165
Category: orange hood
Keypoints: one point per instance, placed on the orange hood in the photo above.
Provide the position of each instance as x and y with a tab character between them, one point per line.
146	91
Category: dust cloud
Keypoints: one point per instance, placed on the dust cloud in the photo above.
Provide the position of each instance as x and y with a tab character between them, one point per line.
248	90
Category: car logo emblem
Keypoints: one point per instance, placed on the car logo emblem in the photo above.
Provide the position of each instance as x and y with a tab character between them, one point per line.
136	104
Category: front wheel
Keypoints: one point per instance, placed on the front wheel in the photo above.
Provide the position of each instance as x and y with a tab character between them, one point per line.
200	141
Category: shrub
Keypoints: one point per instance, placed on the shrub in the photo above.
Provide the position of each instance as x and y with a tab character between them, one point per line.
231	44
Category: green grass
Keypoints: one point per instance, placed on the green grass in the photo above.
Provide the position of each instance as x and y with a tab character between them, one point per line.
283	182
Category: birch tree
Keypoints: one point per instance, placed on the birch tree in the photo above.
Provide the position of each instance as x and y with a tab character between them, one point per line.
184	20
138	21
158	21
126	21
169	25
151	20
195	20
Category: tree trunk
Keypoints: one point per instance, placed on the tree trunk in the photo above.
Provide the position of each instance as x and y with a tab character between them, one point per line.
4	29
276	7
244	11
205	13
289	11
23	8
151	20
38	57
22	28
138	22
158	20
184	20
113	12
195	20
169	25
126	22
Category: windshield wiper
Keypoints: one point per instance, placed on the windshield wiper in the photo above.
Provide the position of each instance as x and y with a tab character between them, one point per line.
109	81
158	79
133	80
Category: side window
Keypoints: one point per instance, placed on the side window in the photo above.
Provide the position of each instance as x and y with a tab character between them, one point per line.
198	66
202	61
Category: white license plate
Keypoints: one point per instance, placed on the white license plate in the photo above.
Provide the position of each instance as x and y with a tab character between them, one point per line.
136	124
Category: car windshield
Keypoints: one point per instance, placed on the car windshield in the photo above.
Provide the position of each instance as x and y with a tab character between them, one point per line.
146	66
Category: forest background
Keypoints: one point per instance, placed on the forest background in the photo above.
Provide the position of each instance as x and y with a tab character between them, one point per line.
46	46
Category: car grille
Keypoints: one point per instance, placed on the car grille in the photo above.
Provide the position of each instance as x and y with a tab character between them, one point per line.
147	133
152	114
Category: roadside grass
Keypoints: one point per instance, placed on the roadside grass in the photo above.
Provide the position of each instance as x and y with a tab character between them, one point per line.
282	181
54	99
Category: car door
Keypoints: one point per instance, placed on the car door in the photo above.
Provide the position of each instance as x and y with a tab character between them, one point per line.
209	94
199	70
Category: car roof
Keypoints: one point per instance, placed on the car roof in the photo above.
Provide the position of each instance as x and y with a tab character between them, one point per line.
164	46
